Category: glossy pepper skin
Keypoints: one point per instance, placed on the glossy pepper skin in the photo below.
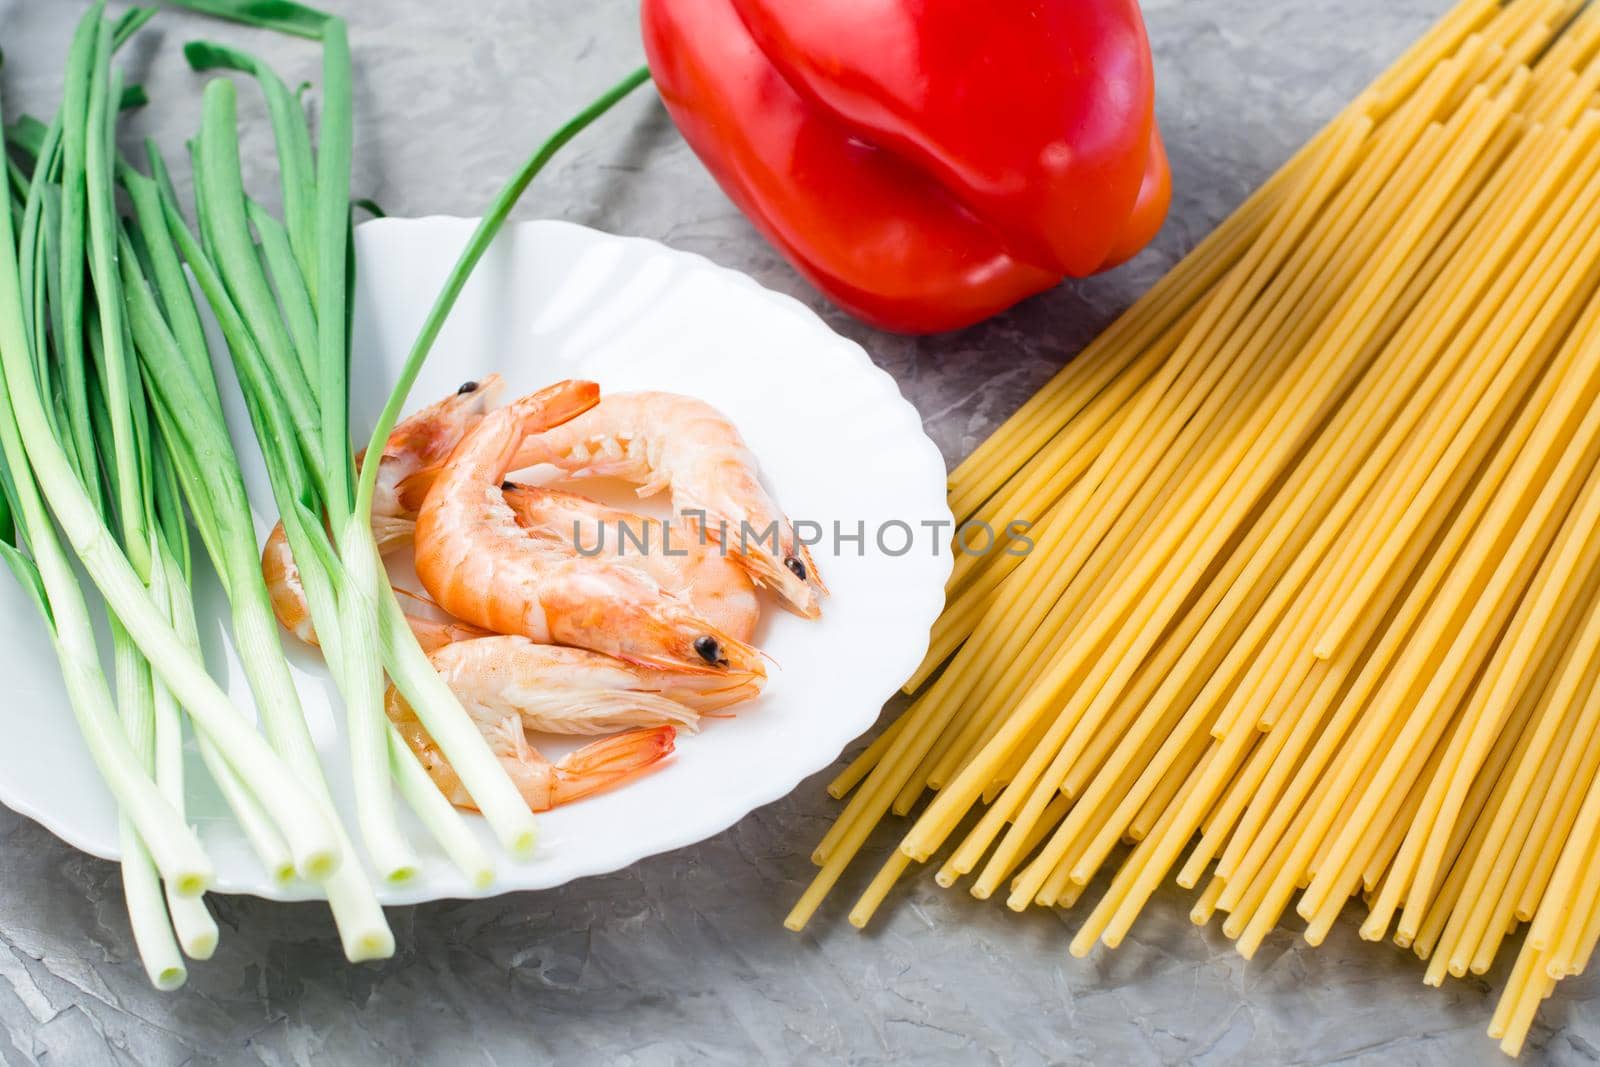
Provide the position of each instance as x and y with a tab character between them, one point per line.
925	163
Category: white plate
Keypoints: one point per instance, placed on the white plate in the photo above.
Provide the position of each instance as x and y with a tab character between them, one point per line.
551	300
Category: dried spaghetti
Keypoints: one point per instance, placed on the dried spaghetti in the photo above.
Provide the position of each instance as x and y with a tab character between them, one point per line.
1314	605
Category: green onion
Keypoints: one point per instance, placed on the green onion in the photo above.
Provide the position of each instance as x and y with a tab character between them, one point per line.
133	96
179	375
74	208
130	23
14	553
113	438
279	387
48	576
305	826
224	223
296	170
363	575
124	452
284	16
333	250
127	464
143	481
196	930
154	839
343	580
291	286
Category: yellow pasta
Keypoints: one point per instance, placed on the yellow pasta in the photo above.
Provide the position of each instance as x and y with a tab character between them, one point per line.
1312	612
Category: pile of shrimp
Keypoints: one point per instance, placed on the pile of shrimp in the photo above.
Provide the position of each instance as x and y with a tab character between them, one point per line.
548	612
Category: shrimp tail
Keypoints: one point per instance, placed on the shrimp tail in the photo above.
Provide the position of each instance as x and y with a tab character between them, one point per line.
285	590
607	762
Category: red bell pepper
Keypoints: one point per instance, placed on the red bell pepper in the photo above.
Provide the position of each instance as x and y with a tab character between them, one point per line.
925	163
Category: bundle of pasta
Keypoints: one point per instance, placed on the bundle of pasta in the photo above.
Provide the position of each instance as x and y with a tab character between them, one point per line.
1312	594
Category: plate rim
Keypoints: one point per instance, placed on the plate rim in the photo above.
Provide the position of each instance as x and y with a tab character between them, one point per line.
768	789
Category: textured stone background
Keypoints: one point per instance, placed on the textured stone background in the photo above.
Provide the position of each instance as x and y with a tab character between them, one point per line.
682	958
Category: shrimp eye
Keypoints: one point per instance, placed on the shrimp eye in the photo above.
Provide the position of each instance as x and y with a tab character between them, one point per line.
506	487
467	387
795	566
708	649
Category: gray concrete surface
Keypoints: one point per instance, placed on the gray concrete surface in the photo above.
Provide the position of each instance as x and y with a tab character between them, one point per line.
682	958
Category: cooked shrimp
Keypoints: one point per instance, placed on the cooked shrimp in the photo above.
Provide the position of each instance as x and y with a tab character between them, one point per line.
285	588
418	445
511	686
559	690
660	441
481	566
543	784
674	554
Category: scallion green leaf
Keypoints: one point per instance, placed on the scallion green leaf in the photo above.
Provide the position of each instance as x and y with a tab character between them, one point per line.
284	16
